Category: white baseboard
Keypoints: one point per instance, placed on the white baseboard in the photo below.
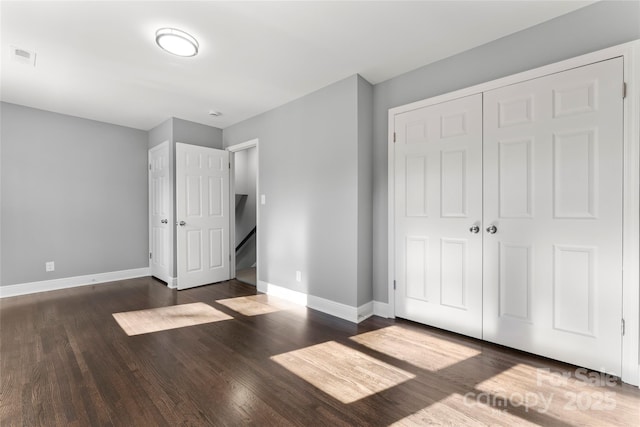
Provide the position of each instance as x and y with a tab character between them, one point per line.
333	308
343	311
284	293
71	282
262	287
172	282
365	311
382	309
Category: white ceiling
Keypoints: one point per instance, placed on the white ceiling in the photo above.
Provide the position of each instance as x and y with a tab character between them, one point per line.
99	60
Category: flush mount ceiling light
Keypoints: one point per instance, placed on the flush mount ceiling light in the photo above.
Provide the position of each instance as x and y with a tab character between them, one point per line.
177	42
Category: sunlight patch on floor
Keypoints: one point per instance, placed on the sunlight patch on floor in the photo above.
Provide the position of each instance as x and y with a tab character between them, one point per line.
519	377
586	397
455	410
342	372
418	348
254	305
170	317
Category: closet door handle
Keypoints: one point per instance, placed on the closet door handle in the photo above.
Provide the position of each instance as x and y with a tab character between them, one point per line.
182	223
474	229
492	229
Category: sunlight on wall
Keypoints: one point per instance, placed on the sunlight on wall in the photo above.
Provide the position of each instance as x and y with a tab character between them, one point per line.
416	347
342	372
299	298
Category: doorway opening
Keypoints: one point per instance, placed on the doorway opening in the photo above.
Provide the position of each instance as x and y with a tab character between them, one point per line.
244	218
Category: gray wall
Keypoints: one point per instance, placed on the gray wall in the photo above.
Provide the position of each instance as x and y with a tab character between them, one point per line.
178	130
196	134
74	191
161	133
309	174
594	27
246	167
365	191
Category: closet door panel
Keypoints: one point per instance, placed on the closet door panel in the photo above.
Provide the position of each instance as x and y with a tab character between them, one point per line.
553	192
438	155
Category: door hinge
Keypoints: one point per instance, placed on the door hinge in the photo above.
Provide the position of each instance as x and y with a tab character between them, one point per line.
623	327
394	137
149	166
229	165
150	256
394	285
624	90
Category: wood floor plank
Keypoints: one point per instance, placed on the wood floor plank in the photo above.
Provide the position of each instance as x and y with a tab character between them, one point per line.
65	361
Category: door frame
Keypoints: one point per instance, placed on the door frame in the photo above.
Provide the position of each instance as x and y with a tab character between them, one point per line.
630	52
169	279
232	149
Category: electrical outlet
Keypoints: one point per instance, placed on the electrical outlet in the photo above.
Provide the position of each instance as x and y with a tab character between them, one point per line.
298	276
49	266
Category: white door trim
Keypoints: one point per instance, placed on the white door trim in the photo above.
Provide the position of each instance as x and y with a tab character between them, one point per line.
243	145
168	279
630	52
232	214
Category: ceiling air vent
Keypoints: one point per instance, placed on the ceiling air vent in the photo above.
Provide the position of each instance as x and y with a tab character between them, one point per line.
23	56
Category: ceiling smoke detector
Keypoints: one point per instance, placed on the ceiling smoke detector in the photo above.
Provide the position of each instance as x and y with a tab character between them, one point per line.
177	42
23	56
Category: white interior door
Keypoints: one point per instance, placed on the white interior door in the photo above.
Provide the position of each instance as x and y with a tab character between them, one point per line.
160	218
553	192
438	213
202	209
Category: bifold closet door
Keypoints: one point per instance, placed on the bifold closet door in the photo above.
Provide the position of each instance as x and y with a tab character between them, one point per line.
438	208
553	193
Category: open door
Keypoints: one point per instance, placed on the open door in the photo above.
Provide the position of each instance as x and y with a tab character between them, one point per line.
160	214
202	215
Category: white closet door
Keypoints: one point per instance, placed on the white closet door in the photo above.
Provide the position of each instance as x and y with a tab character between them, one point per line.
160	243
438	155
553	190
202	208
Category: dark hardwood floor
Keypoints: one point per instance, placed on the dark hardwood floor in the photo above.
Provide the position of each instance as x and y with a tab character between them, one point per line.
65	361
